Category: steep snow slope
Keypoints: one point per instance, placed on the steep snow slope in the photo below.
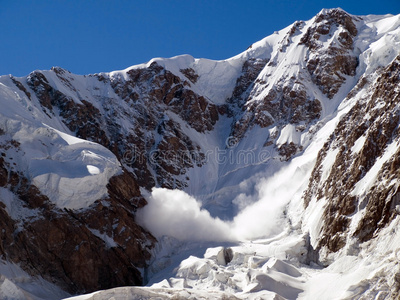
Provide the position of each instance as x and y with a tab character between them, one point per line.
17	284
291	145
292	264
54	187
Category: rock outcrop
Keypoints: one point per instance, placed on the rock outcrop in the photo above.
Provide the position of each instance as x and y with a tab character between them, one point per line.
162	122
359	141
86	250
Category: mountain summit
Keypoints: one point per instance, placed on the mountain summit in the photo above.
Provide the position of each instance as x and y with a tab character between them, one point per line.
273	173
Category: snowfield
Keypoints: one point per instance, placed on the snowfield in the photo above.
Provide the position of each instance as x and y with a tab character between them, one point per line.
271	257
237	231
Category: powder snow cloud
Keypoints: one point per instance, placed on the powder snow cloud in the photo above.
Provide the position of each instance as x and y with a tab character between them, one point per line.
177	214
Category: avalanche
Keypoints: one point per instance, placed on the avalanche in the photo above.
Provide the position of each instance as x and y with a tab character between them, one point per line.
274	256
250	218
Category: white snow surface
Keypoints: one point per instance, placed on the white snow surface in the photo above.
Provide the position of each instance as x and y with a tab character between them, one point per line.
260	252
216	79
16	284
72	172
272	230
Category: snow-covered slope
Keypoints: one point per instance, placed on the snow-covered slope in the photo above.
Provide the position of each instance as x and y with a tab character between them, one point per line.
267	175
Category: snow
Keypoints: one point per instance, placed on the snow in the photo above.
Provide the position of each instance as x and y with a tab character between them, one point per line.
15	284
16	208
313	221
358	144
7	197
216	79
69	139
378	38
362	187
289	135
381	52
109	241
250	210
271	207
263	48
93	170
260	268
328	163
73	173
184	216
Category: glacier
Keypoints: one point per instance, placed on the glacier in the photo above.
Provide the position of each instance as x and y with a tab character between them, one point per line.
255	226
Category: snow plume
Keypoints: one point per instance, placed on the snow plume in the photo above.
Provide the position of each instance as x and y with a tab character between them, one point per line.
267	216
175	213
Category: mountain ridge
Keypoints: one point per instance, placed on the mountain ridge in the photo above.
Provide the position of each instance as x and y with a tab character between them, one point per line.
82	154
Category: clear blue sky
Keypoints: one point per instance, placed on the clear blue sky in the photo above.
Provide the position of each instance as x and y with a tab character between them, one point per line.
90	36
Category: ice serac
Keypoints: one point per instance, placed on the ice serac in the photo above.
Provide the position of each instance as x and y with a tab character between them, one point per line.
303	124
77	149
67	205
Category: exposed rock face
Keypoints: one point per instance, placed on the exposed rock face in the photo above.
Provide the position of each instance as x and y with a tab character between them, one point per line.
250	71
359	141
328	67
79	250
155	84
166	151
150	149
102	246
161	125
81	118
147	95
190	74
270	102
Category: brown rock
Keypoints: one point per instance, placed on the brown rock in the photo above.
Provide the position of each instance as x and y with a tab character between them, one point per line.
380	128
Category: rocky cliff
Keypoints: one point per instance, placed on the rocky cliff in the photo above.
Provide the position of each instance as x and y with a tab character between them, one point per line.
80	154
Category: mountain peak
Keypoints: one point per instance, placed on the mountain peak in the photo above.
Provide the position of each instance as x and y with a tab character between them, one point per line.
330	11
292	144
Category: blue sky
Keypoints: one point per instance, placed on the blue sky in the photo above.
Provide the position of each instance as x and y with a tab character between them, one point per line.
90	36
